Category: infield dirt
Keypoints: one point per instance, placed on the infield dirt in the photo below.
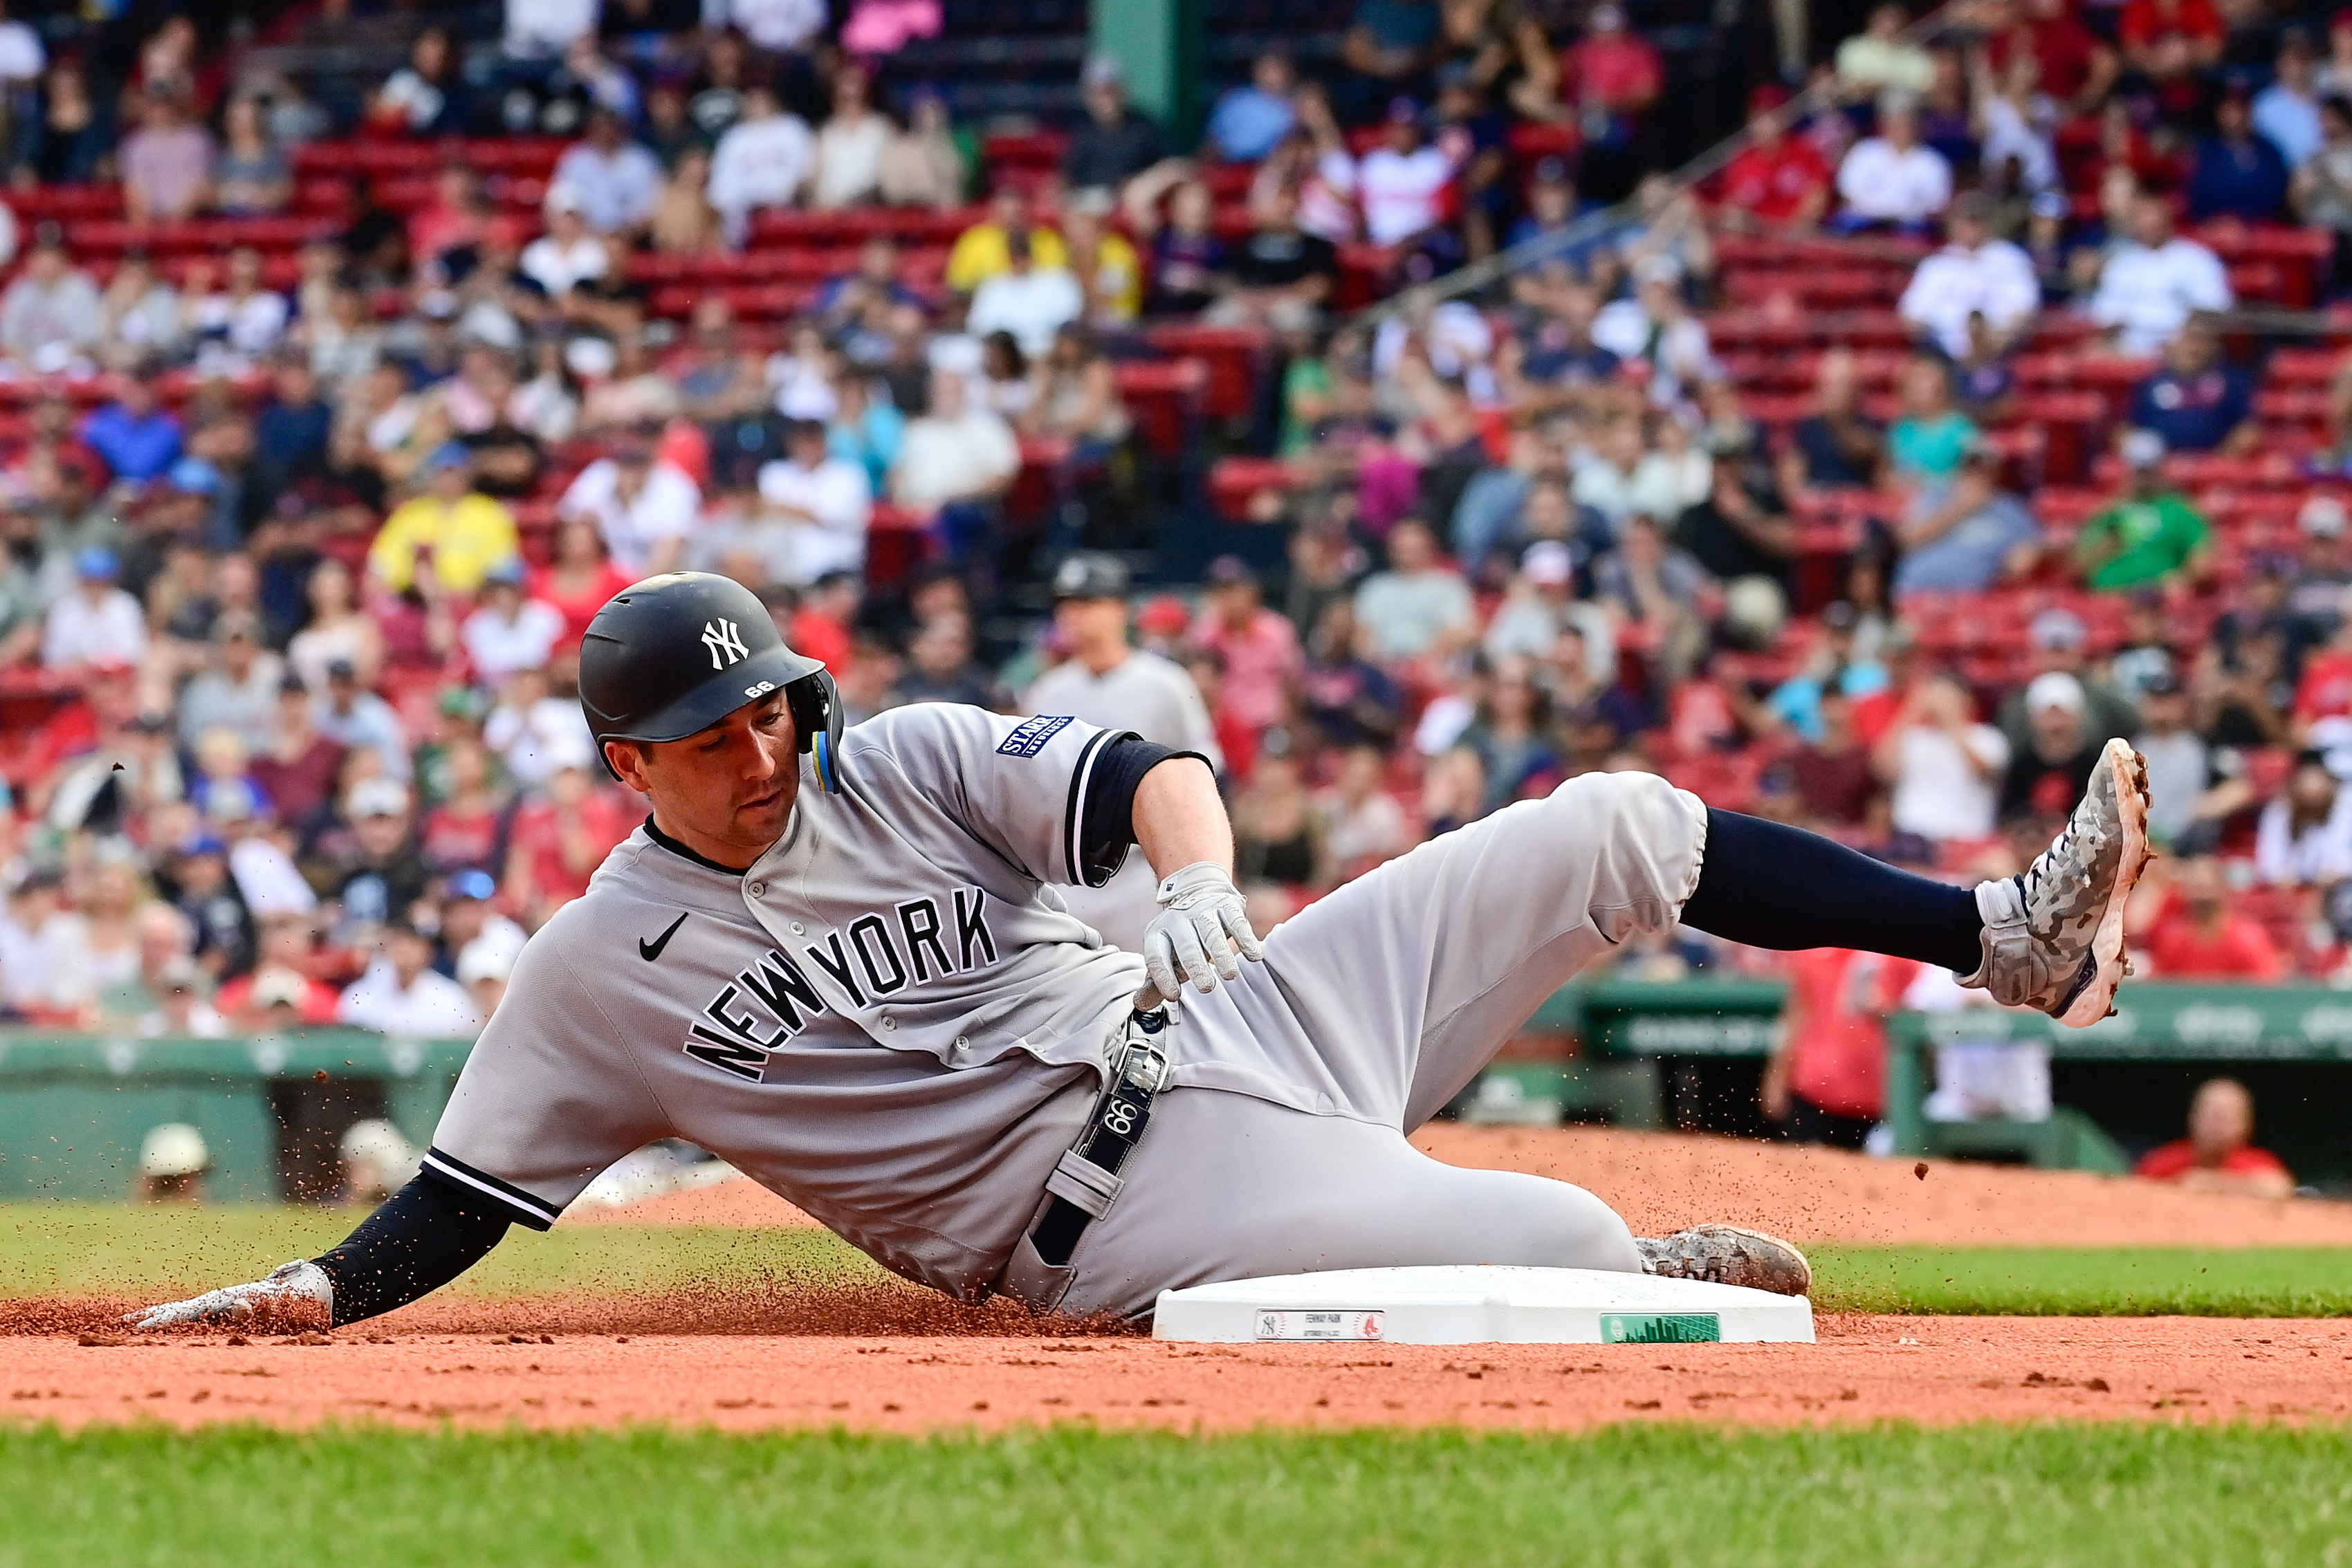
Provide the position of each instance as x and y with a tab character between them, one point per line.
827	1352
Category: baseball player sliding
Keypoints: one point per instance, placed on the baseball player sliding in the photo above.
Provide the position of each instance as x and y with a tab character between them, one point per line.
841	961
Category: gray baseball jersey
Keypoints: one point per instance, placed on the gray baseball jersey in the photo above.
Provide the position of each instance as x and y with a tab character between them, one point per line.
1157	698
891	1021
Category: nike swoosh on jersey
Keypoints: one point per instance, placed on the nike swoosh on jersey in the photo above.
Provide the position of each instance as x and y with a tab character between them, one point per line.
649	951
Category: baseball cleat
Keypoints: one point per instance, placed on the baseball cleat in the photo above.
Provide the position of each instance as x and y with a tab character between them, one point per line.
2053	938
1728	1255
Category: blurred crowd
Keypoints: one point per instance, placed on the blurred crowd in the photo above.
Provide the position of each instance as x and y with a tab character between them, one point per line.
306	510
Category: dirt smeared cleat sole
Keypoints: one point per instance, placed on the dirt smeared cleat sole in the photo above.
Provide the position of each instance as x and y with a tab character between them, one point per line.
1728	1255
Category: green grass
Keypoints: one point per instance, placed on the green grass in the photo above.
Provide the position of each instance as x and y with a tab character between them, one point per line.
114	1249
70	1249
2090	1494
2058	1281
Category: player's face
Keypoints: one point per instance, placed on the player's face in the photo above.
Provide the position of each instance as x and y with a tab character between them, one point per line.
726	791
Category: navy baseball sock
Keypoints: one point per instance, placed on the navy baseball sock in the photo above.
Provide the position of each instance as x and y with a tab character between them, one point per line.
1783	888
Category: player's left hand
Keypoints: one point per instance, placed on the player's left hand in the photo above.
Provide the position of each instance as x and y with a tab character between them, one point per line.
293	1295
1203	924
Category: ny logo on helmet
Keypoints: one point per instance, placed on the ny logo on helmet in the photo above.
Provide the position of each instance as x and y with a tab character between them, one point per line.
725	640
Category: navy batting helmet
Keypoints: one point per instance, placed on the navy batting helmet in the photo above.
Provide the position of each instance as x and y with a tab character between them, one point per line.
678	652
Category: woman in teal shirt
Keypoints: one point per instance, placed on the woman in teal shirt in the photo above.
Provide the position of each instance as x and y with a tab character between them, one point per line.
1931	437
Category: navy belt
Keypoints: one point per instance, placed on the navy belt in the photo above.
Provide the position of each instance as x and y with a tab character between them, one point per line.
1086	1180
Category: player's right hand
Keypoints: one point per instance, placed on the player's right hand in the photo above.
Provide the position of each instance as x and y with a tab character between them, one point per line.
293	1295
1203	924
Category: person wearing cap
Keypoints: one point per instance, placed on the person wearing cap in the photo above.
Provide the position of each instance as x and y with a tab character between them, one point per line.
1259	646
2323	569
1973	275
1541	603
1117	141
2197	401
764	160
1778	180
570	253
380	871
135	436
644	506
2056	640
984	250
1031	303
2046	777
2152	534
2180	764
237	688
1892	180
1966	534
2236	173
350	715
281	977
97	624
202	890
1104	679
472	926
400	993
174	1156
452	528
2152	283
1401	184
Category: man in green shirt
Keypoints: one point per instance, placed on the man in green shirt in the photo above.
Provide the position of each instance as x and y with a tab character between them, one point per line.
2152	535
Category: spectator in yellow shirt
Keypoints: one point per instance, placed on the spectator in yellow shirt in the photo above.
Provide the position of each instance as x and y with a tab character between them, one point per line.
981	253
1107	267
463	532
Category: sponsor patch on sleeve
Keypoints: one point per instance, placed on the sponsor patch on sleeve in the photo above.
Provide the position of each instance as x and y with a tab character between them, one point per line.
1029	736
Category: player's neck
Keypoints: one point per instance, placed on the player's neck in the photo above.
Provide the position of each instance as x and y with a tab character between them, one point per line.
716	854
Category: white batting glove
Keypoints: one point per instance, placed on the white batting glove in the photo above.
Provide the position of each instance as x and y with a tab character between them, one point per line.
1202	923
298	1294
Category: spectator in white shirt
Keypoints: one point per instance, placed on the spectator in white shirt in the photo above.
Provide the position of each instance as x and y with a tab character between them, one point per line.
1401	184
645	508
1033	303
1975	274
2304	837
403	994
52	312
98	625
762	160
1943	765
1657	325
825	501
2154	282
1892	180
543	29
510	630
617	182
567	255
957	459
850	144
779	26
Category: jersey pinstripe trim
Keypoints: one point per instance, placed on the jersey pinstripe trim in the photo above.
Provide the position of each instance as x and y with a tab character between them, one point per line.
524	1208
1074	816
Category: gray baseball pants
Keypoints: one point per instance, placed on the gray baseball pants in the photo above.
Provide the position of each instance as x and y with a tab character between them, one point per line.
1281	1146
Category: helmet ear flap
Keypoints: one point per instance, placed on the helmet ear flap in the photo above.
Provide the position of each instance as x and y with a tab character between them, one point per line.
815	703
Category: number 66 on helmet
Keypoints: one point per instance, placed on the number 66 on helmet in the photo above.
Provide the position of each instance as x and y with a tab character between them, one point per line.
676	653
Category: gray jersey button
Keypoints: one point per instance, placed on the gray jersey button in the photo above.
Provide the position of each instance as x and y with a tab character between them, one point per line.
889	1023
797	928
756	889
